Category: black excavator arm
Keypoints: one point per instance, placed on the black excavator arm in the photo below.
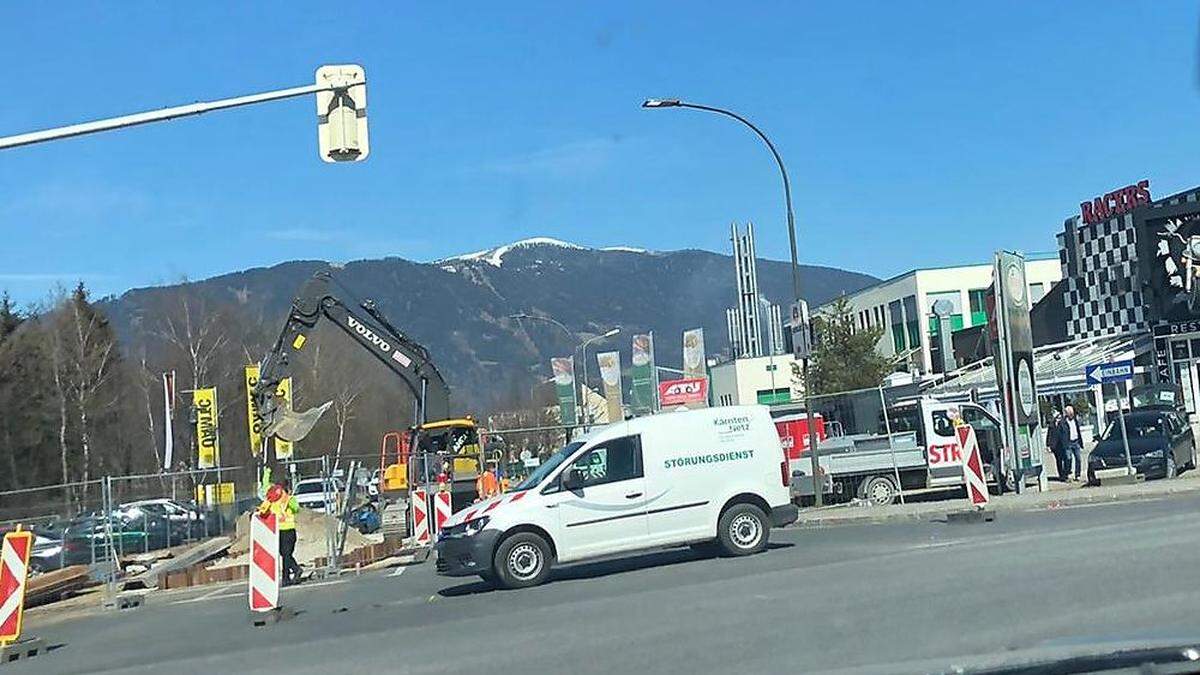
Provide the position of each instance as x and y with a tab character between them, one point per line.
370	330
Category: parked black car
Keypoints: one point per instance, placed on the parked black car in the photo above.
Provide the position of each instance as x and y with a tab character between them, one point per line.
1161	443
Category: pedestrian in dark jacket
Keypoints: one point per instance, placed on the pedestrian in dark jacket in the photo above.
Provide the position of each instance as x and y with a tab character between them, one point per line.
1054	444
1071	442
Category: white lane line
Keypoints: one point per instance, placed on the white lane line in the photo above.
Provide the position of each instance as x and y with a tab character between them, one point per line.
398	572
211	595
306	584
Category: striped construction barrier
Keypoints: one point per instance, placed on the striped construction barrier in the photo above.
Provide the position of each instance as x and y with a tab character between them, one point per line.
266	567
14	570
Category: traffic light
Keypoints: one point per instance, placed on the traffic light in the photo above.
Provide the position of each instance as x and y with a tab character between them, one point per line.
342	114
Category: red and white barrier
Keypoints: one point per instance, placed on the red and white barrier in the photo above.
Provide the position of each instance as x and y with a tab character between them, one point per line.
14	568
441	510
265	564
420	517
973	477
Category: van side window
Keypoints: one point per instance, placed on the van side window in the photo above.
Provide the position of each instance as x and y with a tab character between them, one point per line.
610	462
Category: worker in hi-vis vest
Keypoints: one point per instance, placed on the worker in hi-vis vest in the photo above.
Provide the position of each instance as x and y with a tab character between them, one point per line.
280	502
486	485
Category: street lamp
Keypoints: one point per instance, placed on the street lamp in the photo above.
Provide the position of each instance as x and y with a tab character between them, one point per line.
791	223
587	408
581	395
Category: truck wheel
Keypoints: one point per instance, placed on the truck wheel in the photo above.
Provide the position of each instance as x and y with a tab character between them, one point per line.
879	490
743	530
522	560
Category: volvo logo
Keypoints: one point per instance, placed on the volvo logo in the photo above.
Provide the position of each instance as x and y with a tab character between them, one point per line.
368	334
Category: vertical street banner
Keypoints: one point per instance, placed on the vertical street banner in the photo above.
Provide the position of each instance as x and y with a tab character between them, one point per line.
694	365
1014	363
208	439
168	379
610	374
645	389
254	420
283	393
564	385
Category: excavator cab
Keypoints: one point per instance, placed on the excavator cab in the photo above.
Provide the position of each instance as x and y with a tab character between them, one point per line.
446	451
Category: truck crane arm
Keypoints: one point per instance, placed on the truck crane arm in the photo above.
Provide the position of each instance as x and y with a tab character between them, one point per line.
371	330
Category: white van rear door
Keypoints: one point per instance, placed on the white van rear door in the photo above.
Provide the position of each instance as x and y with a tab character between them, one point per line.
608	514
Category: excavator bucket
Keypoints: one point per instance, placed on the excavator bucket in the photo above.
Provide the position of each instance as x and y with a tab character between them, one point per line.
294	426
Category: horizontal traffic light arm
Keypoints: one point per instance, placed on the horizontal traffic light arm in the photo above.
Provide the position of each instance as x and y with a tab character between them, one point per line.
163	115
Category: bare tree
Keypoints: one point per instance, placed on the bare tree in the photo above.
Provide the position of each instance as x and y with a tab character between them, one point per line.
198	335
90	351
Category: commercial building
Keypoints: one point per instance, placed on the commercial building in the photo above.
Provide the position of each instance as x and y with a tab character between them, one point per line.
1132	267
763	379
903	306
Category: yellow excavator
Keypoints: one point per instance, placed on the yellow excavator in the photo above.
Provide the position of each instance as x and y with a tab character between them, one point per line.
435	447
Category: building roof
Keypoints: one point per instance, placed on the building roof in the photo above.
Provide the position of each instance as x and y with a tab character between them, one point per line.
1036	256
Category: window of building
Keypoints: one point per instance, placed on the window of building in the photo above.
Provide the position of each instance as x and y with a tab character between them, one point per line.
772	396
896	321
912	321
978	301
1037	291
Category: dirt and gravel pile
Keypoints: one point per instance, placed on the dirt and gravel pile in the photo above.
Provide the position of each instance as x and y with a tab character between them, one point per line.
310	539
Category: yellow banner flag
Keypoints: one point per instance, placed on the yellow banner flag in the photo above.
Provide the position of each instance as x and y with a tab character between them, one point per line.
283	449
208	440
253	418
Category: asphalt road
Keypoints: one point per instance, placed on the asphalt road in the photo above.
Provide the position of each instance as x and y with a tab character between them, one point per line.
841	597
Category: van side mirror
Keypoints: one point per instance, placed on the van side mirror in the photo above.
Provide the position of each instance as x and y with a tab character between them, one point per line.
571	480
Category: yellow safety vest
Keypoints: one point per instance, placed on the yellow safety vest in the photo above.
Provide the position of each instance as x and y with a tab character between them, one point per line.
284	508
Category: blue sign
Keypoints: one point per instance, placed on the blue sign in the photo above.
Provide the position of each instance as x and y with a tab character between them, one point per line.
1104	373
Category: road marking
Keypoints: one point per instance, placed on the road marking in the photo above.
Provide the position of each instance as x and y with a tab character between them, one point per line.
211	595
334	582
398	572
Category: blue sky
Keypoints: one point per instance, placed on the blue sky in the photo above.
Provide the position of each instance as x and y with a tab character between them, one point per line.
916	134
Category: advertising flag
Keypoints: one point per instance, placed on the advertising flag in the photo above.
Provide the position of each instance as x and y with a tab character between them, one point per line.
208	439
610	374
283	393
645	389
253	418
168	419
564	384
694	362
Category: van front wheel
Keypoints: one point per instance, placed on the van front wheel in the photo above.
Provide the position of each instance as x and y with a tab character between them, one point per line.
522	560
742	530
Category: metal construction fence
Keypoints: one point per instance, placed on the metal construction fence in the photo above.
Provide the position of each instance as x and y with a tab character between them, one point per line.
118	517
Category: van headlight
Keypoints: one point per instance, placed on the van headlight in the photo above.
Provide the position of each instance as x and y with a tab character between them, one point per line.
467	529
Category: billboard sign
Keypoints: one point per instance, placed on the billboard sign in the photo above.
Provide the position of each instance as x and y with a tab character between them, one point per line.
688	391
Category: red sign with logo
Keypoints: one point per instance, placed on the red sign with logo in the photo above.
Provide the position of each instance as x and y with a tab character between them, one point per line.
681	392
1116	202
793	433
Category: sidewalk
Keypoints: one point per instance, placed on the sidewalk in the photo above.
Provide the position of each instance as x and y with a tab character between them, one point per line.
1058	496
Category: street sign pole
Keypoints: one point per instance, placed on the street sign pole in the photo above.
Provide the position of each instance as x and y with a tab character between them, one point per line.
1124	434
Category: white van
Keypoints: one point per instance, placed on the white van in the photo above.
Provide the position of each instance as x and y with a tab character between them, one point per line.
714	477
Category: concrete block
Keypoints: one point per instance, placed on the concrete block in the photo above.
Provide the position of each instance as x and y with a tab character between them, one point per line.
25	648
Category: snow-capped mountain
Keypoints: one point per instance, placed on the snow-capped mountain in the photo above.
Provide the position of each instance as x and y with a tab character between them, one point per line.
461	308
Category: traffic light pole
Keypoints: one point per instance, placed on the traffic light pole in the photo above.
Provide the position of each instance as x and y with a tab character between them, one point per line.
164	114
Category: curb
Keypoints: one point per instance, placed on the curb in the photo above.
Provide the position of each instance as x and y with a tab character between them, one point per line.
938	512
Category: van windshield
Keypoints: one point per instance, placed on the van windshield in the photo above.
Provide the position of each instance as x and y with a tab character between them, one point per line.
552	462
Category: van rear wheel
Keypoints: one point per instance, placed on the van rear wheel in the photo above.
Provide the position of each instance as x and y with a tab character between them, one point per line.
522	560
743	530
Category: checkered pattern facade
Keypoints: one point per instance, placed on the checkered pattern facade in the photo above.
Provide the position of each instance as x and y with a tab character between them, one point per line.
1102	275
1100	272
